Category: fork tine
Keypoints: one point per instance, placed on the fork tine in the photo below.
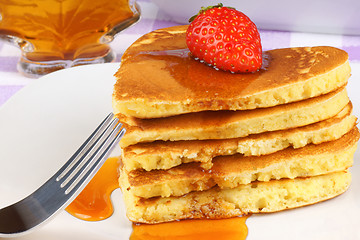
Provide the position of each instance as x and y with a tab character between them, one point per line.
83	179
96	159
84	156
84	147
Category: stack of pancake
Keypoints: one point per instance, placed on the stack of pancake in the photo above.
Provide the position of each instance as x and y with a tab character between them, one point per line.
204	143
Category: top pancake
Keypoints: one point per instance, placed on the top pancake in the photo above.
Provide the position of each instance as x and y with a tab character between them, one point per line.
159	78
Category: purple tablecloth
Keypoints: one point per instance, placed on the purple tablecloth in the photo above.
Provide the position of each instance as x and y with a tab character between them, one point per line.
152	18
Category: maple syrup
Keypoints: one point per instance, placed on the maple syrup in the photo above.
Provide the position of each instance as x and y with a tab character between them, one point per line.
58	34
225	229
165	53
94	202
62	29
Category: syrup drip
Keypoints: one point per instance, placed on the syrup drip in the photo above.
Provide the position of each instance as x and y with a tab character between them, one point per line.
94	203
225	229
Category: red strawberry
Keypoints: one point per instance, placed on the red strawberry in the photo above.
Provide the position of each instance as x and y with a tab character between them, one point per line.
226	39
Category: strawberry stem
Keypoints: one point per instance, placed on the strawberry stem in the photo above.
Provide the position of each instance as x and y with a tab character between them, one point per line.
204	9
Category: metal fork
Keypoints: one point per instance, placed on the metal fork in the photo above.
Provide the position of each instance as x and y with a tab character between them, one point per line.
65	185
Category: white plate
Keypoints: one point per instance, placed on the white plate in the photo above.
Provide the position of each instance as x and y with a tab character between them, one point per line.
44	123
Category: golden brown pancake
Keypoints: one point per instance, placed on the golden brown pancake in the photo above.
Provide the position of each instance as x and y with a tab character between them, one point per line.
167	154
233	124
234	170
256	197
159	78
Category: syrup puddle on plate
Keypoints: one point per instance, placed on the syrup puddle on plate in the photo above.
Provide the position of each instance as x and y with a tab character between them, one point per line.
205	229
94	204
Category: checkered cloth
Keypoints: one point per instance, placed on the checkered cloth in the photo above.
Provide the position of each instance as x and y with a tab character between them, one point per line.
152	18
